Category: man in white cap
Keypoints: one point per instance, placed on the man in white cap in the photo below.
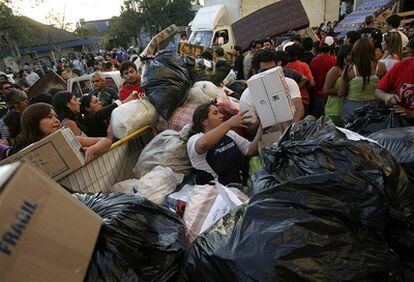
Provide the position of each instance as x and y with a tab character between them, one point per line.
320	66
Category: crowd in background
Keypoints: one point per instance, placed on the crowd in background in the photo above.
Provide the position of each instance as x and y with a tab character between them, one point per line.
339	75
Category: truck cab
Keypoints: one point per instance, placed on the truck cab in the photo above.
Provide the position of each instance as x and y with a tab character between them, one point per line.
211	29
83	84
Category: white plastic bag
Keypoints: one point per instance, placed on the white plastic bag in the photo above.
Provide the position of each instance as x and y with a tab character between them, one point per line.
167	149
158	184
208	204
197	96
230	78
209	89
131	116
124	186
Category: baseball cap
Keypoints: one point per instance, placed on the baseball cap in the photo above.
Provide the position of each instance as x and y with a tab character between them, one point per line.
287	44
328	41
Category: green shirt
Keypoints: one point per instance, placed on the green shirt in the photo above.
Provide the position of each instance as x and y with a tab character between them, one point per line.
356	93
334	104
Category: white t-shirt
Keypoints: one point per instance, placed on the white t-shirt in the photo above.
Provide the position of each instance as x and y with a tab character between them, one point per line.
209	161
247	100
388	62
32	78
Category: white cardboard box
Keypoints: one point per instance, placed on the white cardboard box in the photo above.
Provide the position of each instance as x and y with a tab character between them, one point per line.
271	96
45	233
57	155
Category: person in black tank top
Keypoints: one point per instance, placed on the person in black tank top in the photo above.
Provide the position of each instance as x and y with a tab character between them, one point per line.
215	150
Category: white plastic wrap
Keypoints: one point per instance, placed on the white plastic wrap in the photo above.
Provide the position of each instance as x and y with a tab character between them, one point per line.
207	205
167	149
157	184
131	116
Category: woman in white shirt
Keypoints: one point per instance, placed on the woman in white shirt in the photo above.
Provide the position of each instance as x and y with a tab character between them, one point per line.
215	150
392	47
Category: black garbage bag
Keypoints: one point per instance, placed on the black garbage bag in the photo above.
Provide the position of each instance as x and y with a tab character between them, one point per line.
322	129
221	70
369	119
316	228
137	239
166	79
400	143
238	87
197	69
263	180
323	150
315	147
106	266
318	146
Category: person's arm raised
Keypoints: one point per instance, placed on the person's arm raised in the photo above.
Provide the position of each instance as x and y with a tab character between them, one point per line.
329	85
211	138
344	85
254	145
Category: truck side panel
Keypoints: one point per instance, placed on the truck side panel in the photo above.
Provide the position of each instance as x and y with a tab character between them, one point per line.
233	13
248	7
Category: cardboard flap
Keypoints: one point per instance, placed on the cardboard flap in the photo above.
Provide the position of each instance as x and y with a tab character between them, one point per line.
6	172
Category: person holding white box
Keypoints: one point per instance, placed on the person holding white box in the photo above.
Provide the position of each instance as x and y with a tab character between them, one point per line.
216	151
285	101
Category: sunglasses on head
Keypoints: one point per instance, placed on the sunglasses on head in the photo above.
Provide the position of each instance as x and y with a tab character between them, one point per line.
213	101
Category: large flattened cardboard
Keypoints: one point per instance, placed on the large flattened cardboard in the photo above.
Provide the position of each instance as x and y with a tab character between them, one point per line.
45	233
274	19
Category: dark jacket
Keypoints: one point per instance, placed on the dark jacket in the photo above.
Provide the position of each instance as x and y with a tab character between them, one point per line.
96	124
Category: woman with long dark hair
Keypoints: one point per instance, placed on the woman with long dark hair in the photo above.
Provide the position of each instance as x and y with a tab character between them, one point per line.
360	78
94	117
68	109
335	103
215	150
40	120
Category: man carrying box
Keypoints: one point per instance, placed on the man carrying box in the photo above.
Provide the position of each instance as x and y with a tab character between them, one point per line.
265	61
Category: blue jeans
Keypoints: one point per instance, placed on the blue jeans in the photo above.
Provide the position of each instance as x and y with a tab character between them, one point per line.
350	107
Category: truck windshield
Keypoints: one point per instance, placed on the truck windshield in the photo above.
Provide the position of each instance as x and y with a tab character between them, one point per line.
201	38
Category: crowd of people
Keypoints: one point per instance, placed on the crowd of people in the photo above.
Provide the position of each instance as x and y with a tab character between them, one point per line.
338	75
25	121
332	77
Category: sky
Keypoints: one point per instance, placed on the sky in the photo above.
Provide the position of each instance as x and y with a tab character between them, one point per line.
72	10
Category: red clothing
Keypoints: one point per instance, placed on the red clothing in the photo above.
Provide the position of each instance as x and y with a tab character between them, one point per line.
115	62
304	70
126	90
400	80
320	66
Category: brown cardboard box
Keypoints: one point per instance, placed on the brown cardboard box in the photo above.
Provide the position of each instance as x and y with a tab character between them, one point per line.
57	155
45	233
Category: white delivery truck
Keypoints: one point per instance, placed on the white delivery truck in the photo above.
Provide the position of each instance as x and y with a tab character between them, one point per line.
223	23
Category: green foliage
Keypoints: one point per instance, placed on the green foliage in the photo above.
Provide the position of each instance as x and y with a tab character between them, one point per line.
152	15
11	24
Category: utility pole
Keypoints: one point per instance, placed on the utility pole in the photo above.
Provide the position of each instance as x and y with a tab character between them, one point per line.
63	17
